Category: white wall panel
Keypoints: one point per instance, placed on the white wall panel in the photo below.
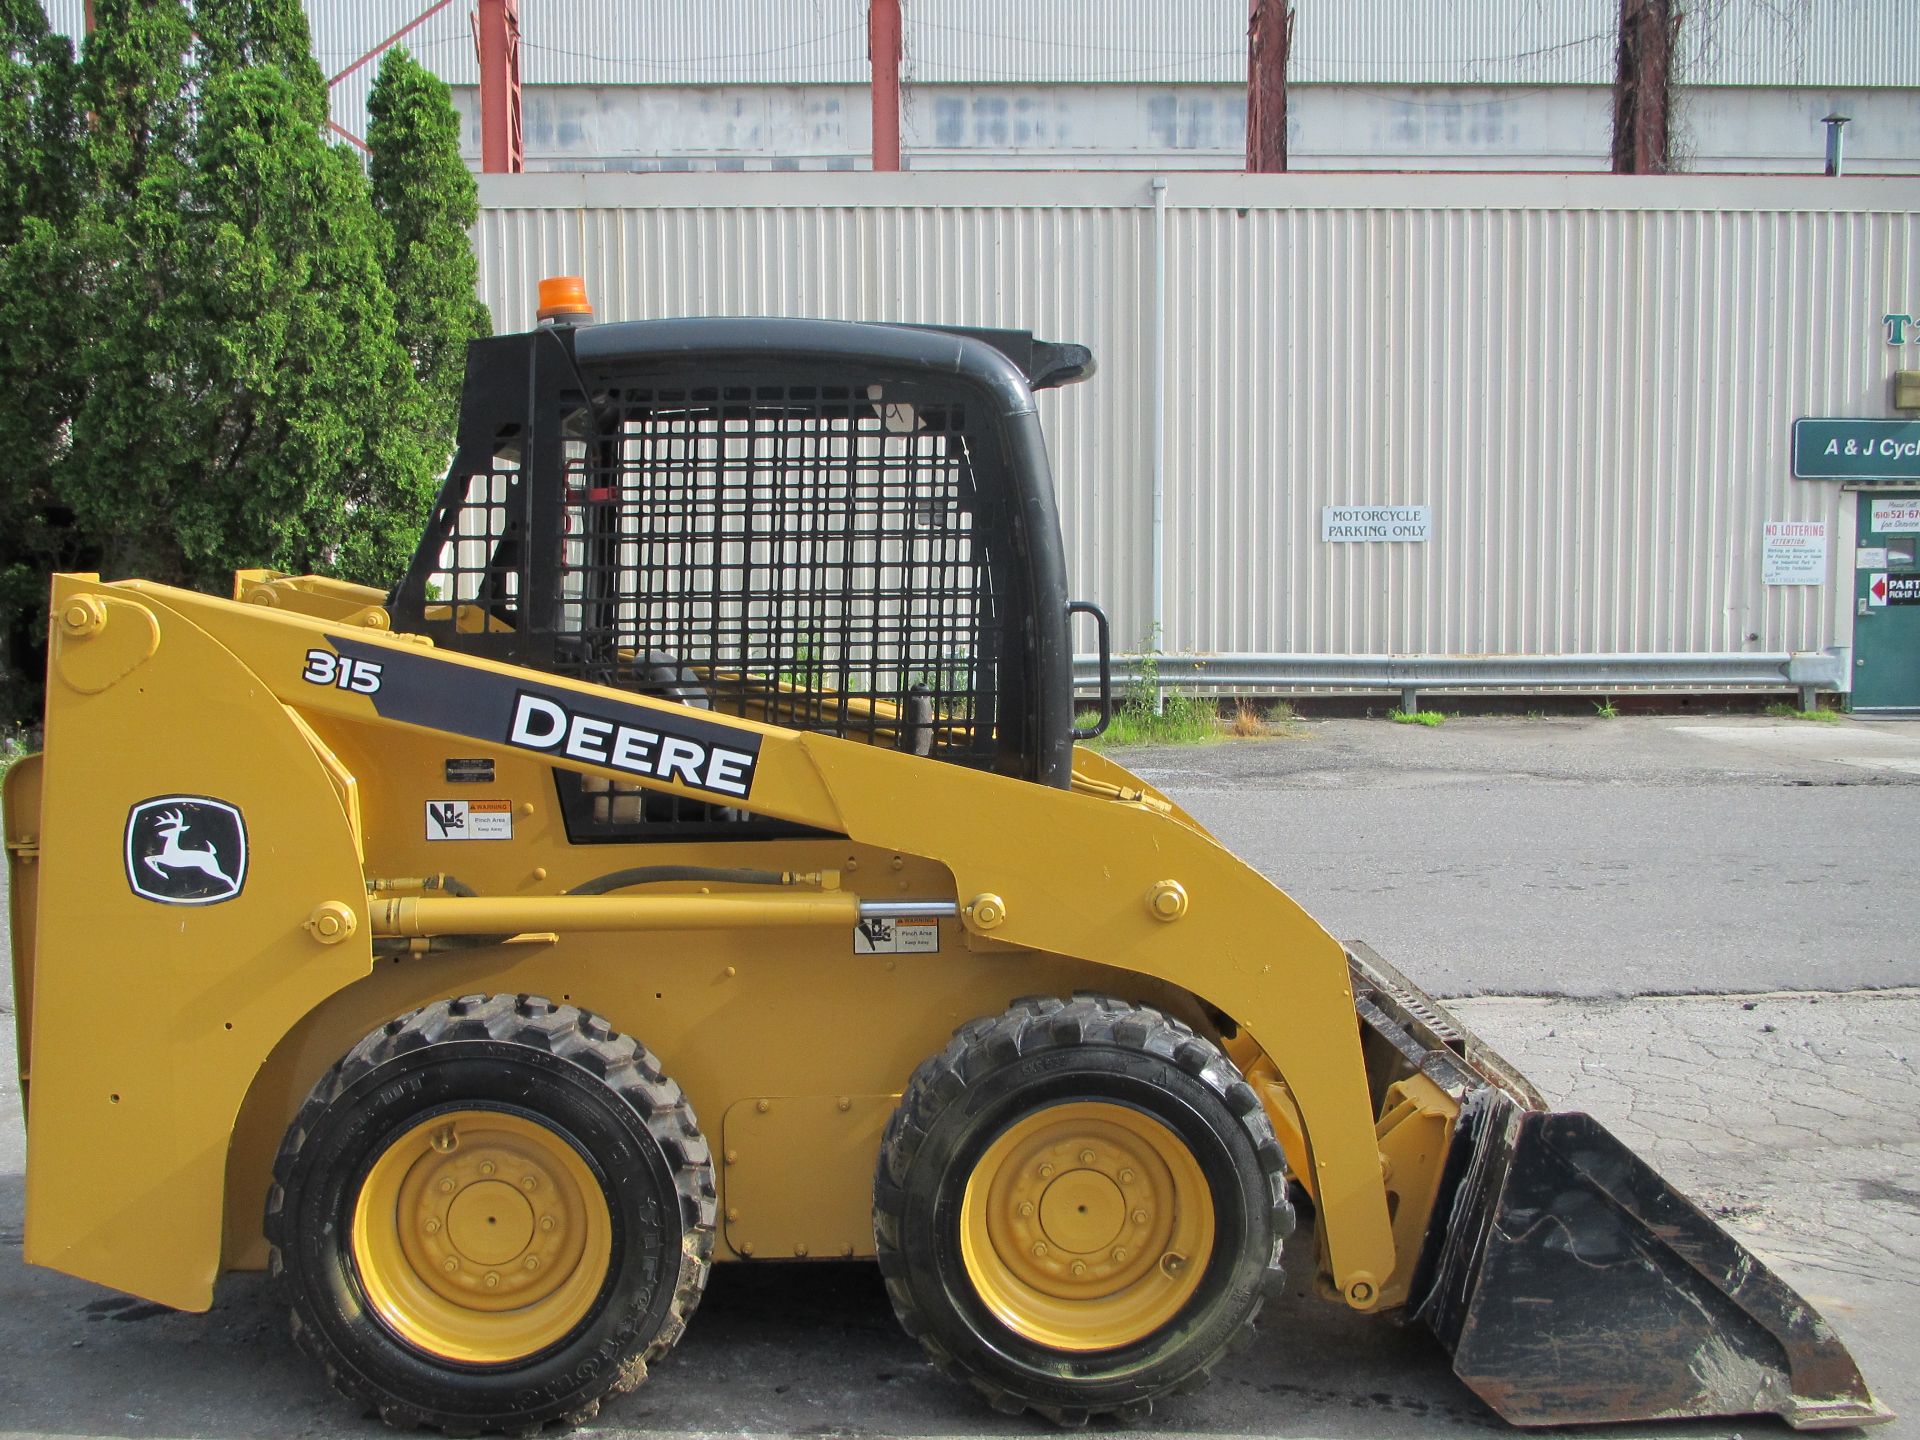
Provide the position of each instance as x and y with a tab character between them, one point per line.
1590	380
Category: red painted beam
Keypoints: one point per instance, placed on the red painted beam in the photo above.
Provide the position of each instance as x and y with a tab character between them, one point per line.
497	35
380	49
1269	43
883	49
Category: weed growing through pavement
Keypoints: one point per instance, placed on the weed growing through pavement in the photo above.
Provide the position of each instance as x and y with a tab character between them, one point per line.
15	746
1177	720
1606	709
1784	711
1429	718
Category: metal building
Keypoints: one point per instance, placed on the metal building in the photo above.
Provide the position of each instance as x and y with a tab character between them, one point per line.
1579	393
1131	84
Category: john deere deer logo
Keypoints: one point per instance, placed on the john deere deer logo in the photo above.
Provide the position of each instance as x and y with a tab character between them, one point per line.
186	850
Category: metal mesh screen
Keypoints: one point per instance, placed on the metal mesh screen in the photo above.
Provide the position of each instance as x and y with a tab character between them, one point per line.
804	555
479	562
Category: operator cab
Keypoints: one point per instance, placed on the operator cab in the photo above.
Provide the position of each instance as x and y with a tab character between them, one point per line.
838	527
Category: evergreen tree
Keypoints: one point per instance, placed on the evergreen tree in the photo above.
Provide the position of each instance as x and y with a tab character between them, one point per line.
310	413
40	190
237	33
428	198
203	368
39	120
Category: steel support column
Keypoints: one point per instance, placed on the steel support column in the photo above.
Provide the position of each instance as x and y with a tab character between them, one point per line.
1643	86
883	50
1269	46
497	37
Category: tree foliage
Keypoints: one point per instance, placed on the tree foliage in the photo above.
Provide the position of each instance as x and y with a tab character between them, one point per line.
216	349
425	193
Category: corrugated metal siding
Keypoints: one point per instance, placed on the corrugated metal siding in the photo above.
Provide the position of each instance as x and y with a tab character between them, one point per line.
1821	43
343	32
1811	43
1465	42
1075	41
1595	404
693	42
1589	380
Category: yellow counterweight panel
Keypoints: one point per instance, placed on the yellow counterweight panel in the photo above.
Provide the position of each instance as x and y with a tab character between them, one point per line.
1103	880
150	1020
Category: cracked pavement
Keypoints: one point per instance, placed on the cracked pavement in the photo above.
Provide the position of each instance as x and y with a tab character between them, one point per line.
1490	859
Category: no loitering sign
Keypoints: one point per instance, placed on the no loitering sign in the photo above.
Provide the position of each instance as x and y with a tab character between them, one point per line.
1350	523
1793	552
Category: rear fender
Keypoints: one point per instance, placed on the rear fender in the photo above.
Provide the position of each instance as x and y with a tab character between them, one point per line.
150	1018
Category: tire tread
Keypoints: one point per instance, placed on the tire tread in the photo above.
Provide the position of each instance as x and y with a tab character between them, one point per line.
1031	1025
568	1033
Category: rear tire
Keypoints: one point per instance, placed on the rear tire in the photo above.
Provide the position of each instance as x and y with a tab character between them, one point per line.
1076	1207
492	1213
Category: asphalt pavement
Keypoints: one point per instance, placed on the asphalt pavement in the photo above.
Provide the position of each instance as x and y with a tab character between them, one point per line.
1559	872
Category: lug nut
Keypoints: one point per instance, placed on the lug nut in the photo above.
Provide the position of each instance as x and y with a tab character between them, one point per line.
1040	1249
450	1265
1086	1157
1079	1267
432	1227
533	1262
1026	1207
446	1187
546	1222
1119	1254
1139	1217
1046	1171
493	1280
531	1182
1126	1177
486	1167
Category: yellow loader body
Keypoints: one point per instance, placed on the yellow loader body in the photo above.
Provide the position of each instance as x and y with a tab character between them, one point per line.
222	1017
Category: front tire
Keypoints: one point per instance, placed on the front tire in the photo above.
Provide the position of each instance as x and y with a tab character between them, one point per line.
1076	1207
492	1213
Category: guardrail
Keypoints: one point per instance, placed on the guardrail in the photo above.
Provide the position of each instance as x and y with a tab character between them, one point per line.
1807	672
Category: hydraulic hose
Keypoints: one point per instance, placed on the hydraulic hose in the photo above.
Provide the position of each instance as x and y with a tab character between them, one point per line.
661	874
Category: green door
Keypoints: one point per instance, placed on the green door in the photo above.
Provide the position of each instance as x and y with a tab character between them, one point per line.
1886	600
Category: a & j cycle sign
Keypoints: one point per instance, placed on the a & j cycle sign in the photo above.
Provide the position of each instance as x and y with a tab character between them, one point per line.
1856	449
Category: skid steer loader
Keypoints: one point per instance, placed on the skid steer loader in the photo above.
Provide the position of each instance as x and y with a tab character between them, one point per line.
691	861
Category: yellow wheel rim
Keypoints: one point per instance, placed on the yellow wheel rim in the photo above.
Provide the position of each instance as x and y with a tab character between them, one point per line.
481	1237
1086	1226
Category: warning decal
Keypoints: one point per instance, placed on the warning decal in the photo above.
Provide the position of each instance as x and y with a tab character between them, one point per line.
877	936
469	819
